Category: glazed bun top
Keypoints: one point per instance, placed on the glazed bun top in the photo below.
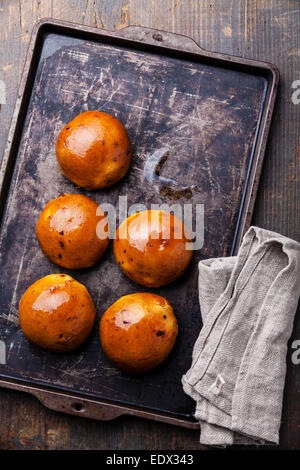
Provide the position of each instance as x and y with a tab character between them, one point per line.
93	150
138	331
57	313
73	231
153	248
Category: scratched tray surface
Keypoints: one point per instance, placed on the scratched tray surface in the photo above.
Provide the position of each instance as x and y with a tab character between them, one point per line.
207	115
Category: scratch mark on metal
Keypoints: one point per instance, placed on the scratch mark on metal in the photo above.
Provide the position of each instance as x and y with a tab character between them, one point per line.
167	187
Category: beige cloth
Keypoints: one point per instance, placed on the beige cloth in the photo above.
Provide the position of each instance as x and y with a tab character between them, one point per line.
248	303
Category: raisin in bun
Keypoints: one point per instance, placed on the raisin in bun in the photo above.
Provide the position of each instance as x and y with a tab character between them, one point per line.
138	331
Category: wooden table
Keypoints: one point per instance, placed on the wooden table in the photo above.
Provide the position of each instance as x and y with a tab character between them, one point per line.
267	30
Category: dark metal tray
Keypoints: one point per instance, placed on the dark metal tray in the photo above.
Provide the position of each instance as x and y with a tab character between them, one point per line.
212	110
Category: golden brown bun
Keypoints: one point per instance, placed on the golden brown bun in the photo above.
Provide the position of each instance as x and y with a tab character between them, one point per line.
138	331
93	150
147	250
57	313
66	231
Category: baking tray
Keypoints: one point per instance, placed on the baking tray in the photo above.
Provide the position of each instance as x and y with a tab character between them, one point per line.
212	110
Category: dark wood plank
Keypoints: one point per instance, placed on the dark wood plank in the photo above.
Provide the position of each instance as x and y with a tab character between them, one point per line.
260	29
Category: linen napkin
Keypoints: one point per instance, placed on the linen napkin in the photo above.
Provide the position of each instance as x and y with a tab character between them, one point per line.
248	303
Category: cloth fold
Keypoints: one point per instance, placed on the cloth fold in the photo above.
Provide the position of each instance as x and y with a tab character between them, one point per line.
248	303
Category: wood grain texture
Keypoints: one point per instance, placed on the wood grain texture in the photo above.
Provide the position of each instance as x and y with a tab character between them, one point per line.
261	29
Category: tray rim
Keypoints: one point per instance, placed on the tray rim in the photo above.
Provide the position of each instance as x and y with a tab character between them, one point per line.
100	409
